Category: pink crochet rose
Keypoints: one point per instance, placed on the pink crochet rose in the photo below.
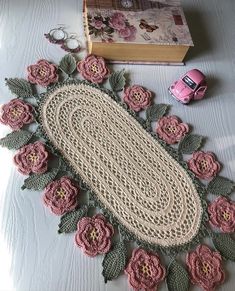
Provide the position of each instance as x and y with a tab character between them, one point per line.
128	33
144	270
171	129
93	69
117	21
32	158
42	73
61	196
94	235
204	165
16	113
222	214
137	97
205	268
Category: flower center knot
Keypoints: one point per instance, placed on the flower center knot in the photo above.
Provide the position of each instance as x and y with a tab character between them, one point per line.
94	68
61	193
33	158
226	215
42	72
145	270
16	112
203	165
206	268
171	129
137	96
94	234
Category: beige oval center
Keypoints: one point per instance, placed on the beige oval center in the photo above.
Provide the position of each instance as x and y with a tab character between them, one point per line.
130	172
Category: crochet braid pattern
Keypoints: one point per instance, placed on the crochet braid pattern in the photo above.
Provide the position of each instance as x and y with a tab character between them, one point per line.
129	171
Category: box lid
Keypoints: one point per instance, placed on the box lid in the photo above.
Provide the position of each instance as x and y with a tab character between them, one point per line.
137	21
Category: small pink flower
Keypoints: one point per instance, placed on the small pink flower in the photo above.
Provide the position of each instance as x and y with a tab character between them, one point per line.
94	235
42	73
128	33
171	129
109	40
137	97
118	15
205	268
98	24
32	158
117	21
61	196
204	165
144	270
222	214
16	113
93	69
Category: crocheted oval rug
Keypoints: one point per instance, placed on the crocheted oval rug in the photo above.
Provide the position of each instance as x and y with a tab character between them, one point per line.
91	143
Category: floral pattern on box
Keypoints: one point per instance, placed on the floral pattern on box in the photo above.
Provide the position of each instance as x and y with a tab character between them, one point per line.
166	26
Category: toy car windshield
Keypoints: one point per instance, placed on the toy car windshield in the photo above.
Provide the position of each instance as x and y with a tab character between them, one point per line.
189	82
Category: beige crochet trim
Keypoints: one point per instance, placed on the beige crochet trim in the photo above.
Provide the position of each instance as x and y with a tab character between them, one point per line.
130	172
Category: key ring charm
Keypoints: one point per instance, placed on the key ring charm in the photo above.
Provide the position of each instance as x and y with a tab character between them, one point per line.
56	35
71	44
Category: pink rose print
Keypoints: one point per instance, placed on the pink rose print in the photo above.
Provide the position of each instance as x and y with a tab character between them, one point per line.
16	114
171	129
128	33
94	235
111	27
117	21
97	23
137	97
205	268
32	158
42	73
61	196
204	165
222	214
144	270
93	69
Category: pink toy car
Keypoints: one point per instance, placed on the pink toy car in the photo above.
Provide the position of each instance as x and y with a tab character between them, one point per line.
192	86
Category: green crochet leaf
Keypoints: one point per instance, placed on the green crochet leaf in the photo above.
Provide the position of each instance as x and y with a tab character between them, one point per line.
39	181
225	245
117	80
114	262
156	111
19	87
220	186
177	277
190	143
68	64
15	139
69	221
